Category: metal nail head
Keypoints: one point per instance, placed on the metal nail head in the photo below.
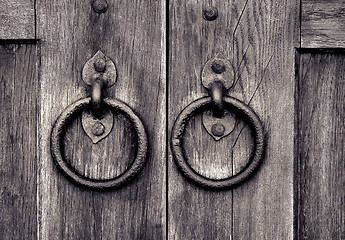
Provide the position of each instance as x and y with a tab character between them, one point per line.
218	129
210	13
100	6
98	129
218	66
99	65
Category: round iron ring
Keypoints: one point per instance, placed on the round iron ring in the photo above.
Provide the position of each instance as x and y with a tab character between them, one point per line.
178	152
59	130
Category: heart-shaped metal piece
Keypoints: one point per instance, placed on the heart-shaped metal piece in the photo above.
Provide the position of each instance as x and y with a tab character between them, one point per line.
220	69
218	127
99	66
97	129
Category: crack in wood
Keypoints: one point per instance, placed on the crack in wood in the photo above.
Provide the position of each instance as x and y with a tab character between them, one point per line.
259	84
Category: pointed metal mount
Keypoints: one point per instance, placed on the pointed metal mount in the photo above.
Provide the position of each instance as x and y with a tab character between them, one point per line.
217	69
99	66
217	77
218	127
95	128
99	72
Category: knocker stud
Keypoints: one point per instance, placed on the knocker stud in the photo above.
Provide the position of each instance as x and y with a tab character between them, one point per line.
218	122
97	121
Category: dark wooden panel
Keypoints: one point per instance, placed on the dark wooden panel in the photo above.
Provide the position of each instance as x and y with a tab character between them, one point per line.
131	33
258	38
17	19
320	134
323	24
18	137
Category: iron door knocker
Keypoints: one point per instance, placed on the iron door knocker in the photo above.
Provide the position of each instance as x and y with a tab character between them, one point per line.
98	72
216	79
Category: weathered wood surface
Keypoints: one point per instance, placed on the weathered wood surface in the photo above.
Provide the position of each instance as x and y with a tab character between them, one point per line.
323	24
258	38
18	137
17	19
131	33
320	132
264	43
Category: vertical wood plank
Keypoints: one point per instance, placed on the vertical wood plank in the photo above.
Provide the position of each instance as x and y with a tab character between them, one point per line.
17	19
131	33
258	38
18	137
264	42
195	213
320	163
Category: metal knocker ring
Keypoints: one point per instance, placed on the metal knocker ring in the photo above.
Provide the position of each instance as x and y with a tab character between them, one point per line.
178	152
61	125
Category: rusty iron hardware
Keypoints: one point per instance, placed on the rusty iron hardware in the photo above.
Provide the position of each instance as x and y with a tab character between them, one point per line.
97	121
96	97
217	69
210	13
97	128
99	66
100	6
217	94
218	79
219	119
218	127
99	72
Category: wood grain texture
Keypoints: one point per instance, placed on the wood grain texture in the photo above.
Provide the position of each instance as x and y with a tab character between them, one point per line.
195	213
18	137
258	38
320	133
132	34
264	42
17	19
323	24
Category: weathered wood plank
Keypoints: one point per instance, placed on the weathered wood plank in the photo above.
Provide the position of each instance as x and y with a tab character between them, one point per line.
255	37
18	137
195	213
323	24
320	133
131	33
264	42
17	19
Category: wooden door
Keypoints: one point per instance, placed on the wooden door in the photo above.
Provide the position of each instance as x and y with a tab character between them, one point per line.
41	66
283	69
287	64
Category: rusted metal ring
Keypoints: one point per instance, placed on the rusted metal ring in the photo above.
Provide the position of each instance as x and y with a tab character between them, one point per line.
178	152
57	136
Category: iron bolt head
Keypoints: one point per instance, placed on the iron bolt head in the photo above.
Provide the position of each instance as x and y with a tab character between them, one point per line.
210	13
218	129
98	129
99	65
100	6
218	66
